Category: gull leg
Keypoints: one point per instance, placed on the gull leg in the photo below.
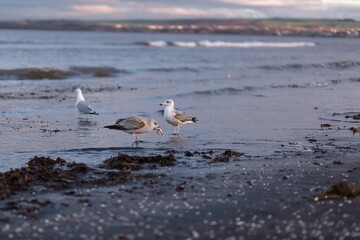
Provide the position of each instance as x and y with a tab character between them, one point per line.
133	137
177	130
135	140
174	130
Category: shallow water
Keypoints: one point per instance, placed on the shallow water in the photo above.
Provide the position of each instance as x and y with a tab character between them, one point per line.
248	97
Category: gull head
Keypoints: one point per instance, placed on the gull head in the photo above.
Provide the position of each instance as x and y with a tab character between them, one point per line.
155	125
78	91
168	102
79	96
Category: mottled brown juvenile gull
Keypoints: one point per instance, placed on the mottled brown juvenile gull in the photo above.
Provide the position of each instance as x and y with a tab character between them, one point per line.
176	117
82	105
136	125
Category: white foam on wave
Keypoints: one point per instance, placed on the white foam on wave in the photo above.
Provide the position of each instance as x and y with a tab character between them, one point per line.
185	44
158	43
219	44
255	44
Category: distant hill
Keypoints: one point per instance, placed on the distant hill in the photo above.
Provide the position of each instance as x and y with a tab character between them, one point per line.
283	27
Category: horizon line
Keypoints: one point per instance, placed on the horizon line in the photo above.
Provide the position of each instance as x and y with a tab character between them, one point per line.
186	19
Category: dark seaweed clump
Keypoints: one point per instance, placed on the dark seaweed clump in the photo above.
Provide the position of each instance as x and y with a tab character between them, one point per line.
33	73
125	162
96	71
355	117
56	74
44	171
225	156
325	125
339	190
222	157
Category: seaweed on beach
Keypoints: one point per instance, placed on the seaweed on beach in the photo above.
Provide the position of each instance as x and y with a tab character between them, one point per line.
354	130
225	156
96	71
126	162
47	173
339	190
33	73
44	171
58	74
355	116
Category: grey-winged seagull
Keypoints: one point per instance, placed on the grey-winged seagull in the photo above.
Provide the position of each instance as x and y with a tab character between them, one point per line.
82	105
176	117
136	125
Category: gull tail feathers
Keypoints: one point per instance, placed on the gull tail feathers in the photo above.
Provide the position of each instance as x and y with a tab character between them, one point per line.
194	119
117	127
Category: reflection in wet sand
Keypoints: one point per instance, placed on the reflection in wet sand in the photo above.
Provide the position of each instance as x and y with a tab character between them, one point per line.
86	123
85	126
179	141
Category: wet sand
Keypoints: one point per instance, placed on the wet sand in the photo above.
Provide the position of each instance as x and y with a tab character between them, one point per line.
231	196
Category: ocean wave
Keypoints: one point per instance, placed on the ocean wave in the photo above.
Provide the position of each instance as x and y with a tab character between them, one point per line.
220	44
152	43
308	84
355	79
56	74
220	91
179	69
17	42
59	93
103	71
331	65
240	90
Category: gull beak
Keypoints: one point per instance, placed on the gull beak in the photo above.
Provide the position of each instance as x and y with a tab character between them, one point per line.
159	131
163	104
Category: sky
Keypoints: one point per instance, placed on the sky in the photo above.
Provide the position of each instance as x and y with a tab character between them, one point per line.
176	9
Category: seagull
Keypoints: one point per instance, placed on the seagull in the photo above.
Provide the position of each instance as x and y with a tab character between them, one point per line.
136	125
82	105
176	117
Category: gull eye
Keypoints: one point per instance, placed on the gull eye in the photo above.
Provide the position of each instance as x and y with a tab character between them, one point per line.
167	101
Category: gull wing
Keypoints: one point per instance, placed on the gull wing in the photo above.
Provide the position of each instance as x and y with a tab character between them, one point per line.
131	123
182	117
84	107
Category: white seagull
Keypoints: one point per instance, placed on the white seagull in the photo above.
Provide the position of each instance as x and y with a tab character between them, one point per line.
82	105
136	125
176	117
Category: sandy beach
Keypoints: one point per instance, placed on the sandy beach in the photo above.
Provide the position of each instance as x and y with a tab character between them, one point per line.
227	195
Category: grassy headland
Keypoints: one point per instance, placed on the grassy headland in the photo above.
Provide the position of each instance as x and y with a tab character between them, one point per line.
283	27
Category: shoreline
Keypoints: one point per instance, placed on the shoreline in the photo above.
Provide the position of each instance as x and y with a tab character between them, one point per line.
342	28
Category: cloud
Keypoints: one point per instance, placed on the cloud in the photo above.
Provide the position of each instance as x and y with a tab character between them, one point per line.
235	13
304	4
354	3
203	12
165	9
178	11
96	1
96	9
